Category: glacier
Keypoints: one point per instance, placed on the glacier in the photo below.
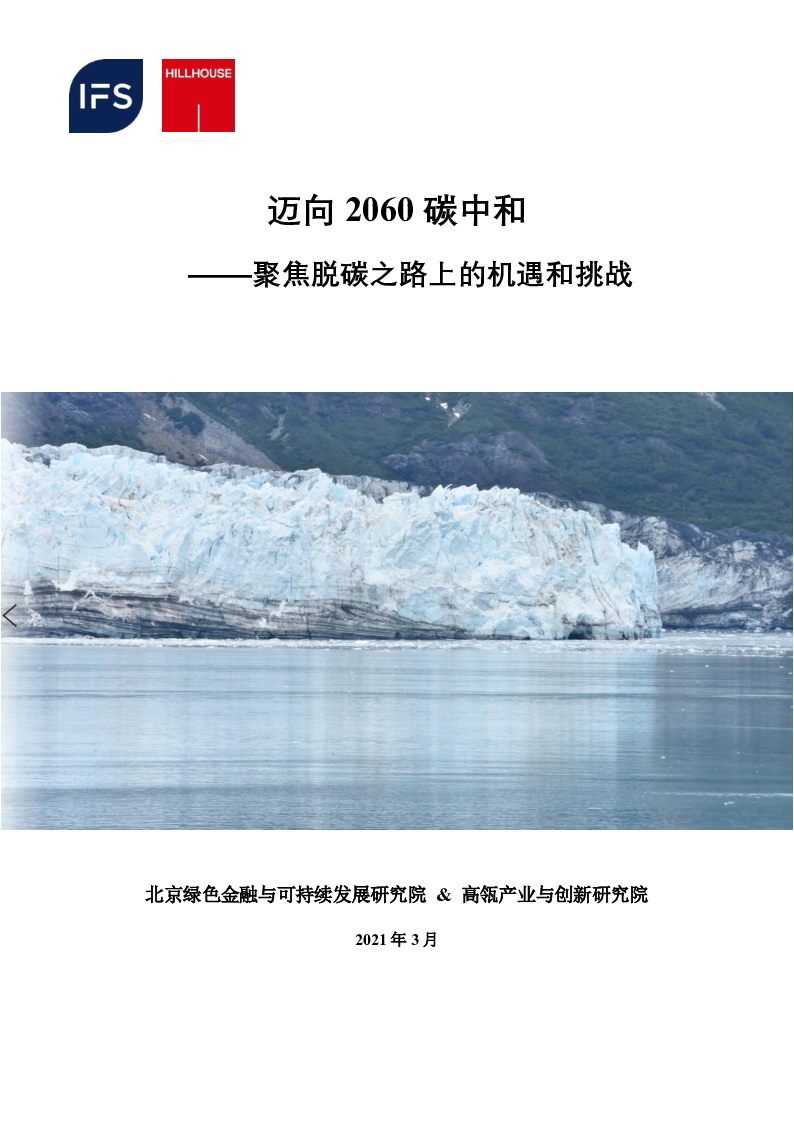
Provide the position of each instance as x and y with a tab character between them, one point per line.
113	542
716	580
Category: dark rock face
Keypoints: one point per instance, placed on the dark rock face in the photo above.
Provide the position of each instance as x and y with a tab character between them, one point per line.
505	460
163	424
44	610
34	419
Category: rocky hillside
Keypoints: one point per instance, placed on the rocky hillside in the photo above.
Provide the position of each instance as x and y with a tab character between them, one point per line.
715	460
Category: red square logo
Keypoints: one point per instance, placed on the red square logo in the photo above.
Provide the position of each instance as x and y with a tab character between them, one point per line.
198	95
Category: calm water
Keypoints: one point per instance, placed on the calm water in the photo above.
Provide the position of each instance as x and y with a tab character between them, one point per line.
677	733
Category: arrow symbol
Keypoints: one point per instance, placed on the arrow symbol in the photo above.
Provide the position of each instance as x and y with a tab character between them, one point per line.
6	616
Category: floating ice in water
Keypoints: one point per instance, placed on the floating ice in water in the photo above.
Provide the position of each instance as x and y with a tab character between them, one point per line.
675	644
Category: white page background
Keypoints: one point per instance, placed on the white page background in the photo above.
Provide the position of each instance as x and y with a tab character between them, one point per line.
655	133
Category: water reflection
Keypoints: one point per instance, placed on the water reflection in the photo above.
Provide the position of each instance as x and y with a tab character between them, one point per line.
484	736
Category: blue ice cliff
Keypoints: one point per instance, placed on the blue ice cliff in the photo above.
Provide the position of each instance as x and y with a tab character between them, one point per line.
115	542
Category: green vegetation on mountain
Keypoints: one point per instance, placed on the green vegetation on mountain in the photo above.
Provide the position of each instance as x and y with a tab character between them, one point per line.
718	460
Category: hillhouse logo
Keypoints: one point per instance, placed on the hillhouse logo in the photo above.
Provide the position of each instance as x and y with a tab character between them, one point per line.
106	95
198	95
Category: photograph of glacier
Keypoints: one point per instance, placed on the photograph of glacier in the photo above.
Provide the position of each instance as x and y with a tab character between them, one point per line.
396	611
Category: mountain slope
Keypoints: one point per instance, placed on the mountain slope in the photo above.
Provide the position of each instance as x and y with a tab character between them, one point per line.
716	460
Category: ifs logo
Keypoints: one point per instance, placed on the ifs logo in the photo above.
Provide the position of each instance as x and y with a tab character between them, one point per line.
106	95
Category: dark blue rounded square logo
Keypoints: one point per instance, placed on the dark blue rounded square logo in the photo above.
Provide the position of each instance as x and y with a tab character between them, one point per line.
106	95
